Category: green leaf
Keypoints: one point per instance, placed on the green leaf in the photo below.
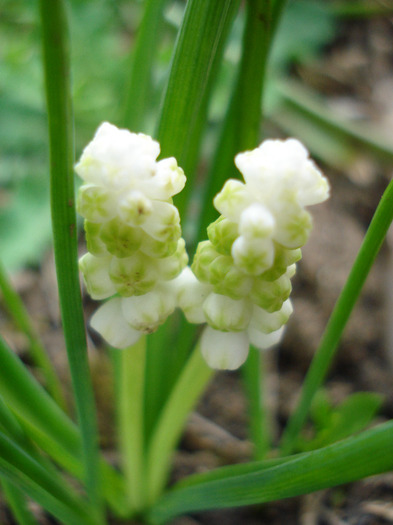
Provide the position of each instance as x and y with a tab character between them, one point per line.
302	112
139	92
45	487
46	424
186	392
365	455
320	364
18	504
305	27
350	417
56	65
195	62
194	66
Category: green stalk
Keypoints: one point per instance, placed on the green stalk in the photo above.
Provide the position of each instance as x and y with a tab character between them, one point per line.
139	91
130	364
22	320
254	376
320	364
184	396
60	120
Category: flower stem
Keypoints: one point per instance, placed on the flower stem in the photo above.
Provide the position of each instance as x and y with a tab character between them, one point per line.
130	365
185	394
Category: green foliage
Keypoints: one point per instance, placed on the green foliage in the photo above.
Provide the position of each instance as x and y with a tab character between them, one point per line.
331	424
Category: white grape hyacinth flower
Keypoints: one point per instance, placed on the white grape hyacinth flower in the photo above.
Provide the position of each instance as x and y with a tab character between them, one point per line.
241	285
133	232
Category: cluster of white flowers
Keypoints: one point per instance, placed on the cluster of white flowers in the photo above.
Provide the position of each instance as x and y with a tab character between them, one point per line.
133	232
240	279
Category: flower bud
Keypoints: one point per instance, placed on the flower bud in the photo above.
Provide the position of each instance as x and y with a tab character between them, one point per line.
222	233
261	340
164	222
147	312
226	314
96	277
95	245
203	258
95	203
109	322
229	280
133	275
191	295
224	350
256	222
267	322
270	295
168	180
134	208
170	267
232	199
293	223
120	239
253	257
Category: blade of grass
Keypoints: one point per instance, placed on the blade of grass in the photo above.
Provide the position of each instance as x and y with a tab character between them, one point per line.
44	487
18	505
145	49
195	62
241	128
301	100
60	123
46	424
21	318
320	364
362	9
185	394
351	459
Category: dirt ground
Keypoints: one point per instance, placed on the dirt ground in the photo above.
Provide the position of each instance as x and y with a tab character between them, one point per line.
356	75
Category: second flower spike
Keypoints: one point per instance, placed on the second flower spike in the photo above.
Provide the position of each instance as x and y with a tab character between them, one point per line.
241	283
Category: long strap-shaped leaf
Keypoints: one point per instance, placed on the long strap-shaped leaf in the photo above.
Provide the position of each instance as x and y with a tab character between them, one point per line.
320	364
18	504
48	489
195	62
242	125
60	123
139	90
365	455
196	59
46	423
18	312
